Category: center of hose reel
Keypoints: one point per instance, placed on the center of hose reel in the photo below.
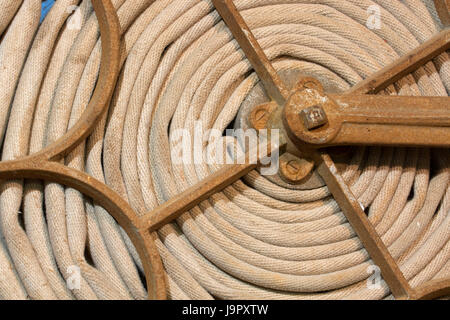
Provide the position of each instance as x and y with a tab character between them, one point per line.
296	169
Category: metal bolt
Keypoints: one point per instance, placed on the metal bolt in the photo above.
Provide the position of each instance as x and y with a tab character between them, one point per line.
293	167
259	119
260	115
314	117
308	83
293	170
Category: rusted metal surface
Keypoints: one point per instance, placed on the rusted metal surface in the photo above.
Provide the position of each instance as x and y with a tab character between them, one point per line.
293	169
405	65
443	10
41	166
253	51
188	199
367	120
214	183
433	290
313	117
260	115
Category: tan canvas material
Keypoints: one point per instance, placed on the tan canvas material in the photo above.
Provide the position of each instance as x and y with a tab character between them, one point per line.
179	65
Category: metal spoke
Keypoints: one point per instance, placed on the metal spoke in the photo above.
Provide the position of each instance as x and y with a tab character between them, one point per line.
219	180
392	120
369	120
405	65
433	290
372	242
443	10
201	191
99	102
253	51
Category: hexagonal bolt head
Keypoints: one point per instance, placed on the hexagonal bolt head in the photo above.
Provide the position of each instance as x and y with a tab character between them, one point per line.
314	117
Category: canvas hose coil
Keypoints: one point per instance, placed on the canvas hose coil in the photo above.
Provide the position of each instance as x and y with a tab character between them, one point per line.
179	64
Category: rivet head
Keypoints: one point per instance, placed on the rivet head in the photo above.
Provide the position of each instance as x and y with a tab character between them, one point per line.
313	117
293	167
294	170
260	115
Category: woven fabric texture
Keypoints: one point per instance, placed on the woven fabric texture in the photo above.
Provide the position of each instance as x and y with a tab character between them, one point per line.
180	64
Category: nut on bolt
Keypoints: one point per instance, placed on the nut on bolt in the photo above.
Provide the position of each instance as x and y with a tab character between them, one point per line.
314	117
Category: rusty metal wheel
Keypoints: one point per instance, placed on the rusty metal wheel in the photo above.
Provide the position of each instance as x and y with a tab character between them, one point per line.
364	173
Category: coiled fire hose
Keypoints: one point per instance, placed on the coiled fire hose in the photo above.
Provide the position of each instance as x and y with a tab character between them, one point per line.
180	64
